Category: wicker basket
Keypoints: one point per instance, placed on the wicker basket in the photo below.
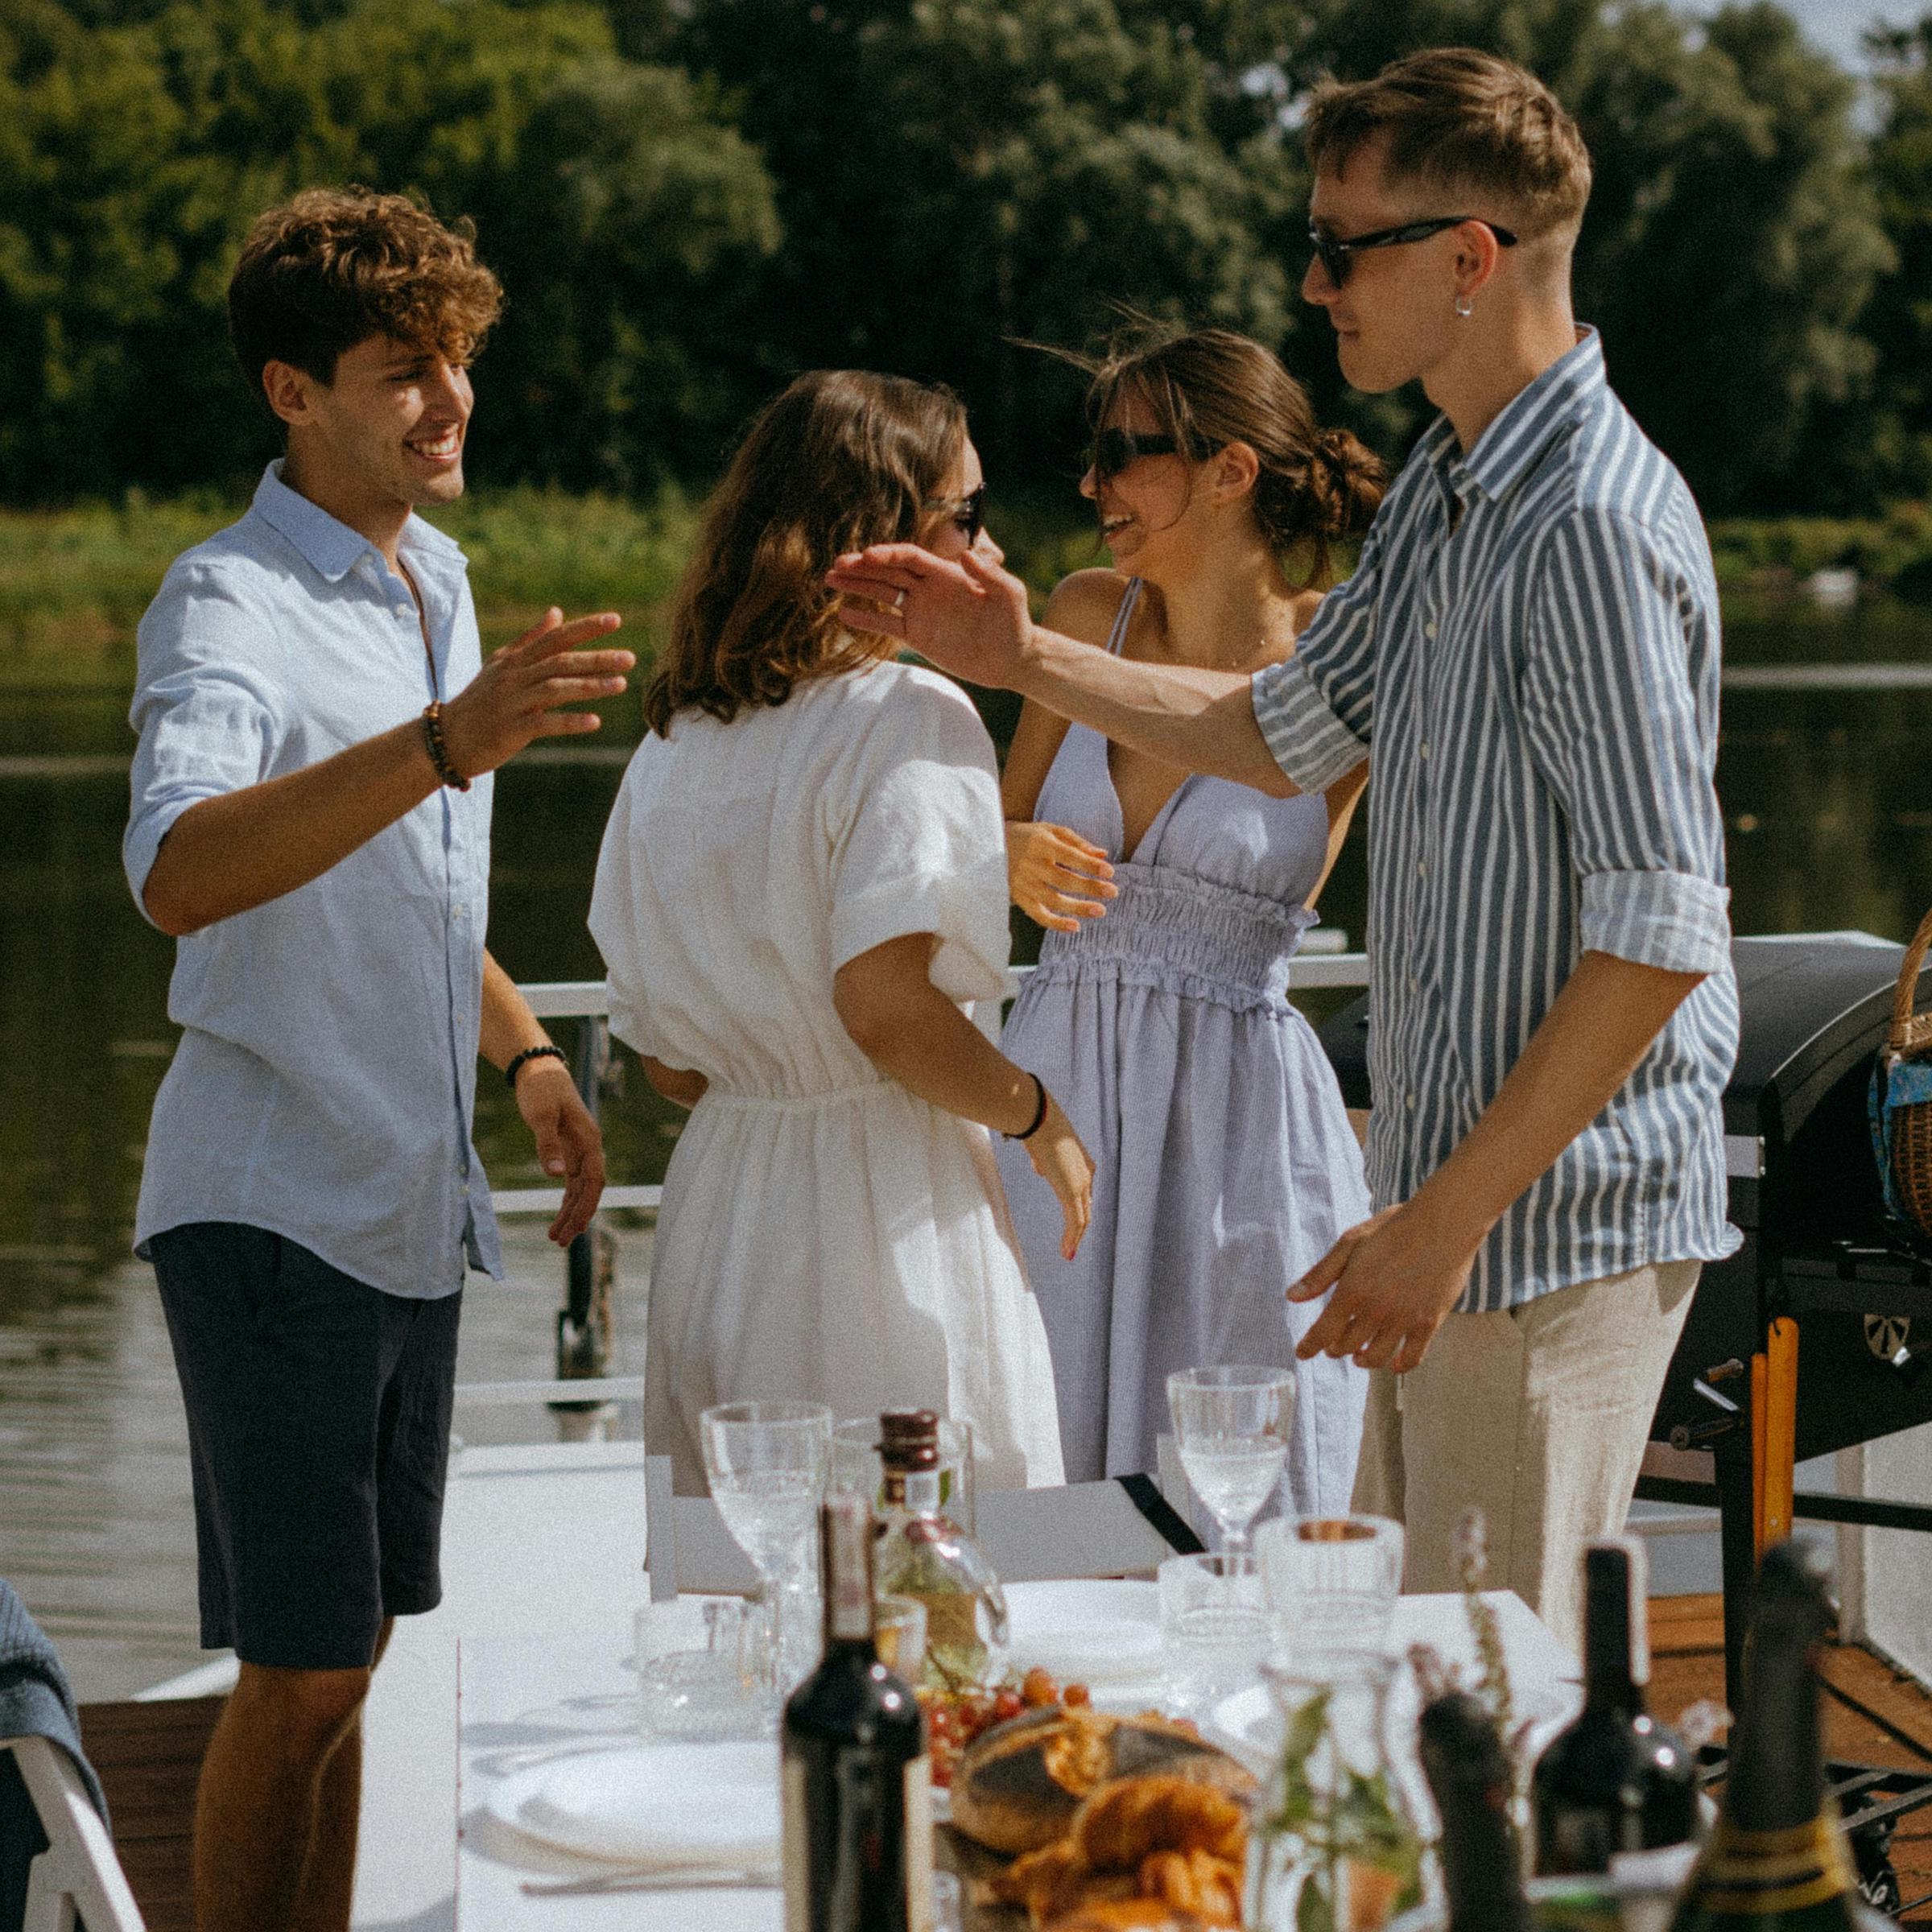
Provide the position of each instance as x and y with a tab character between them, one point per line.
1910	1126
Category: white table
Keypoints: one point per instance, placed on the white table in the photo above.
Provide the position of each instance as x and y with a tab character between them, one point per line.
531	1693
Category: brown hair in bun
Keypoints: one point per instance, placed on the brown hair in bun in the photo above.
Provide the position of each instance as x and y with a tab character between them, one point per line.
1209	387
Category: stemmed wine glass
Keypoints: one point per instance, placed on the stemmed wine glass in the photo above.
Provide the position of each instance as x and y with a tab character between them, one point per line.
767	1462
1231	1426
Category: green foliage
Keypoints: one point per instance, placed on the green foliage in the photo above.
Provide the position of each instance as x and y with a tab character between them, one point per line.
690	199
956	175
136	153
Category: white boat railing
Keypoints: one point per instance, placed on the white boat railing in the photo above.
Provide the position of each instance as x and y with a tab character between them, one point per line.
1321	963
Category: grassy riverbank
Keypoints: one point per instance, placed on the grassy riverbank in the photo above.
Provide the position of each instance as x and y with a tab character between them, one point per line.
73	582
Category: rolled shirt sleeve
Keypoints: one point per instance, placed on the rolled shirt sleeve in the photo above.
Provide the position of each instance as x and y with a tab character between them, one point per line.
1317	710
1620	707
205	717
917	841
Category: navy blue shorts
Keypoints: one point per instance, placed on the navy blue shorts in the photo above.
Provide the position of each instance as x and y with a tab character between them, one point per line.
318	1421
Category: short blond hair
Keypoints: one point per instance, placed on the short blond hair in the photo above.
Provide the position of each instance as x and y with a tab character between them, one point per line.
1461	119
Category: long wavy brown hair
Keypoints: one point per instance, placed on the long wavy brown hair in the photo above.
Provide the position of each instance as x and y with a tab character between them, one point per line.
841	459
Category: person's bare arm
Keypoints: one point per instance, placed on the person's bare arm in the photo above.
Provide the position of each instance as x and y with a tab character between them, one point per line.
570	1146
971	618
1396	1276
229	854
1037	739
683	1086
1343	796
912	1033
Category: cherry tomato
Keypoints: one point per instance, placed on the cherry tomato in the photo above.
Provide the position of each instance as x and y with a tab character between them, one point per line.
1007	1704
1037	1688
1076	1697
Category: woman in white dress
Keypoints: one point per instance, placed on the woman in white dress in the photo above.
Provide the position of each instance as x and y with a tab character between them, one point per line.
803	877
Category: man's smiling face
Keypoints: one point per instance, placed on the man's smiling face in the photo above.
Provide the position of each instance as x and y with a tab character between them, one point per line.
391	424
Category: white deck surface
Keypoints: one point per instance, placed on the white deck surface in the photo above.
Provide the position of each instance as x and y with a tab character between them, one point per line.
542	1570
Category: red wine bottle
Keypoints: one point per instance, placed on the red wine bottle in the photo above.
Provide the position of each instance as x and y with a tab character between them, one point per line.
857	1783
1615	1779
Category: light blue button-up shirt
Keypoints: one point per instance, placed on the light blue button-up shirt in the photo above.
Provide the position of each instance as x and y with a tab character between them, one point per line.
325	1082
1529	650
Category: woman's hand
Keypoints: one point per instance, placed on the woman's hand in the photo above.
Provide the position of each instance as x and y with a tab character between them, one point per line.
1065	1165
1055	877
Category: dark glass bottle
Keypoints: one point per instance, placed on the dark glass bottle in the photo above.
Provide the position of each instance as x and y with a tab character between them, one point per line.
857	1783
1473	1784
1777	1861
1615	1779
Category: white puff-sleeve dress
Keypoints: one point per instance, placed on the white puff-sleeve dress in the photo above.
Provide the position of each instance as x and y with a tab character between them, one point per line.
824	1235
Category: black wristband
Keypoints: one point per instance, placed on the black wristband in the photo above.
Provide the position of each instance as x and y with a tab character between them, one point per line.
545	1052
438	752
1039	1111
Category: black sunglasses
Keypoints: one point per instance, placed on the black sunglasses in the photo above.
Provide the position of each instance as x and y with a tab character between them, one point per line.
1337	256
1114	450
968	512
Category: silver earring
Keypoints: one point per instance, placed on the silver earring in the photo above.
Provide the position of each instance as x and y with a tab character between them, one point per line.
1464	306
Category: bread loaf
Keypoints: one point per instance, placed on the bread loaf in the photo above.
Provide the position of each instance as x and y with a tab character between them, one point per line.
1019	1785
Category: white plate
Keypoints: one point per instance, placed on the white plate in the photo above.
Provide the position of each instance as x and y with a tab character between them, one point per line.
1248	1723
707	1807
1092	1633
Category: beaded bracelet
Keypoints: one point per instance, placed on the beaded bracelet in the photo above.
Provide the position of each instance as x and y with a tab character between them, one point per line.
1039	1110
545	1052
438	752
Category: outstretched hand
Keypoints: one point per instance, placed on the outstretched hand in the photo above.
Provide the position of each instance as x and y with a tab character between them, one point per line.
1395	1279
515	696
969	616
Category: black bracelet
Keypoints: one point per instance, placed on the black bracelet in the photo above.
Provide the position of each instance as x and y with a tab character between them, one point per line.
438	752
1039	1111
545	1052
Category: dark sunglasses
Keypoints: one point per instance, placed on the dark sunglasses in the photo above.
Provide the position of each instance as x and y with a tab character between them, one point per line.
968	512
1114	450
1337	256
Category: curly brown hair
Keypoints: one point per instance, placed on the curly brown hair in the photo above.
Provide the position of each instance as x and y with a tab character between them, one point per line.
841	459
334	266
1209	387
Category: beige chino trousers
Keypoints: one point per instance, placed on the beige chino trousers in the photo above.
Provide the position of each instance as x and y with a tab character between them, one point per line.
1538	1415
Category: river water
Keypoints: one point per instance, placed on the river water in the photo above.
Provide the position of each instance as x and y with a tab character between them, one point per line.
1828	795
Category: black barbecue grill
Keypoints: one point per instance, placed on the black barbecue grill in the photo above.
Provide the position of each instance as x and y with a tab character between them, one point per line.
1815	1336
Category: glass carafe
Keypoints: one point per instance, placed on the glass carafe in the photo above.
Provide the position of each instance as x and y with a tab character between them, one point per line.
1334	1846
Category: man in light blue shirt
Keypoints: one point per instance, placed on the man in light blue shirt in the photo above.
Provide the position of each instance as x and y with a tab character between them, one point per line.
1528	653
310	820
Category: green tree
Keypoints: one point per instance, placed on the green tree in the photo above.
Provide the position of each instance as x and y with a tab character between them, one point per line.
1732	240
135	154
956	176
1899	319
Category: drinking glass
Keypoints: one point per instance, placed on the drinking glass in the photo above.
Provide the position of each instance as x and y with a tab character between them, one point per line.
1332	1580
857	1467
1231	1426
767	1462
1216	1628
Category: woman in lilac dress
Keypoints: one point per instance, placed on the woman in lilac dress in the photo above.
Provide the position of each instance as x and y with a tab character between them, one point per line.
1225	1165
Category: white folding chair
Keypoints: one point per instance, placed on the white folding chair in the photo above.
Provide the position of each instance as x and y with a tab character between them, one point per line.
78	1877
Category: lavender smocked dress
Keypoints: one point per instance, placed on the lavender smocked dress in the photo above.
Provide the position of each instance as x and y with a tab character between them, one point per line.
1224	1163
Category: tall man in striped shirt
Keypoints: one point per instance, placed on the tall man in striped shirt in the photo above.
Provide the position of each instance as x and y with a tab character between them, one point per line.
1529	651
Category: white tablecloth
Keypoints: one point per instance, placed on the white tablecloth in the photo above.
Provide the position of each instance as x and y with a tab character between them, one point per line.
523	1696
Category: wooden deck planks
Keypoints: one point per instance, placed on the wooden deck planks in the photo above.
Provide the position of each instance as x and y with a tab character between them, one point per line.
148	1756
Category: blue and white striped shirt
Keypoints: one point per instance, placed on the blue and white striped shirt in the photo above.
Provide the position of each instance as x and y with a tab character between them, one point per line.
1529	650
